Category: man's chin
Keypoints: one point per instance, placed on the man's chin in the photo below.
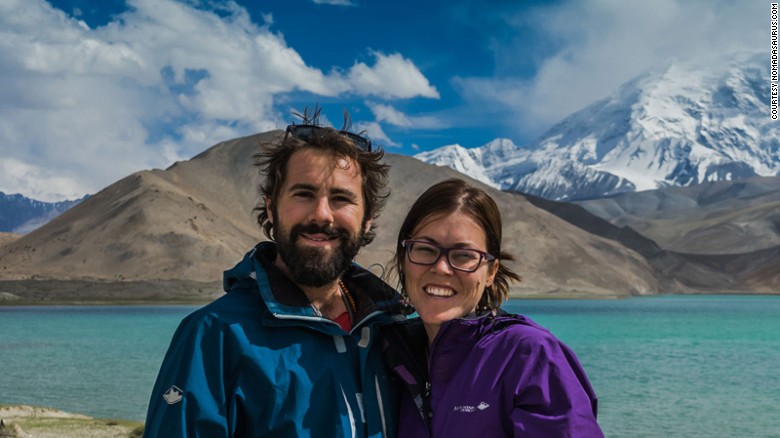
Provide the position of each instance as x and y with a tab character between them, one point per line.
315	255
316	269
325	251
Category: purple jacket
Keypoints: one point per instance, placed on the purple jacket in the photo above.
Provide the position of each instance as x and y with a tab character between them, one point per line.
493	377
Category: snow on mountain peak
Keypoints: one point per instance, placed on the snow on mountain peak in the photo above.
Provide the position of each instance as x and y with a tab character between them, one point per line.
466	161
680	124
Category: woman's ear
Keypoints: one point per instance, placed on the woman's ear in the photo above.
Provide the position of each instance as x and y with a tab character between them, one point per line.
492	271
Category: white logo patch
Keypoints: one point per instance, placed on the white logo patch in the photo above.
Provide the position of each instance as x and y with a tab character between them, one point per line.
469	409
173	395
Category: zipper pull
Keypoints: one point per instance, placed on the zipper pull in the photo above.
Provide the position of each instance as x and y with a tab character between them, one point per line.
427	401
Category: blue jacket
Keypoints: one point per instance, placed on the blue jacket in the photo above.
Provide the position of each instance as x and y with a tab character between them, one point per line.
502	376
259	362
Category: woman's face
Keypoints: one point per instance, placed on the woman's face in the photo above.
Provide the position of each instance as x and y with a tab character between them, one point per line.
438	292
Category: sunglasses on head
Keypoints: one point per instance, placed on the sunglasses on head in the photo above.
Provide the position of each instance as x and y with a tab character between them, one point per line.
309	132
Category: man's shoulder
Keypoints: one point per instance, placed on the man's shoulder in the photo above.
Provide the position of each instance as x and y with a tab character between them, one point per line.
234	306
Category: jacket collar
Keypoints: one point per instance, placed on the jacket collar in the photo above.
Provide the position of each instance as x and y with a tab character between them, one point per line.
283	298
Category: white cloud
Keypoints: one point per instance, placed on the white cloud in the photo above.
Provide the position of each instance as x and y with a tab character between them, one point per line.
81	108
393	76
37	183
388	114
375	133
597	45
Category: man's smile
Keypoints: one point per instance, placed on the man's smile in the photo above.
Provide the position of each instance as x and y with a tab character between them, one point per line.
319	237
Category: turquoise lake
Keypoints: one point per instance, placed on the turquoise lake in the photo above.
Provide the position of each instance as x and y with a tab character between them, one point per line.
671	366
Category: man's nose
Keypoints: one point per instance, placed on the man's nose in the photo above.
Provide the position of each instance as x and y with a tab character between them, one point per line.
322	211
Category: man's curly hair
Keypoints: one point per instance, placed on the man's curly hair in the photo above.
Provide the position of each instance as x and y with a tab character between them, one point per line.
272	162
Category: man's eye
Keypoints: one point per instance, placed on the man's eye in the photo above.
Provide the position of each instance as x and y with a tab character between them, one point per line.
343	199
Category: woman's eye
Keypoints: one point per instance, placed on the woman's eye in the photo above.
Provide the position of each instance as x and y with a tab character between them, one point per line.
465	256
424	250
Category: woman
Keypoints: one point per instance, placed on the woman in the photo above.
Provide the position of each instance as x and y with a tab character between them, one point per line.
471	369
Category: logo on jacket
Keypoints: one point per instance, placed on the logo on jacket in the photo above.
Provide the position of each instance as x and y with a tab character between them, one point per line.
173	395
469	409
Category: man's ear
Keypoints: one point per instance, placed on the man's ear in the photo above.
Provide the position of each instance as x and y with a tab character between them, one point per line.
368	225
269	209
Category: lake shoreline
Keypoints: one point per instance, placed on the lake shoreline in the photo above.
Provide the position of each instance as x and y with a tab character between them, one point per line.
26	420
49	292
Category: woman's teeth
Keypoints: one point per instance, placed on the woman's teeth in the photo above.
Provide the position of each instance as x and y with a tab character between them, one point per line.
439	291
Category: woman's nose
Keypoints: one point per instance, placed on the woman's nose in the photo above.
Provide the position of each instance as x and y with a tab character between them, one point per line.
442	265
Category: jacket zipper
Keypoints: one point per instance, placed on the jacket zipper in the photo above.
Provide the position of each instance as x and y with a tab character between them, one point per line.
381	404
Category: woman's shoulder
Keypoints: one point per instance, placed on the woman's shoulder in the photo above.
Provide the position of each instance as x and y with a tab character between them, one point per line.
518	332
516	325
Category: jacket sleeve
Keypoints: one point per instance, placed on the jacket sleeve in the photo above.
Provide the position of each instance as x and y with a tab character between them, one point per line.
552	396
189	397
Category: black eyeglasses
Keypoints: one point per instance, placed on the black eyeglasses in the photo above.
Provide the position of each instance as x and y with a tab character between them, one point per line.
309	132
421	252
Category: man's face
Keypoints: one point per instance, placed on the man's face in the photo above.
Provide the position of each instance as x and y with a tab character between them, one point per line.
318	217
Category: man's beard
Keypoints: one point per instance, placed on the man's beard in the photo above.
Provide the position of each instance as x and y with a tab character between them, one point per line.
316	267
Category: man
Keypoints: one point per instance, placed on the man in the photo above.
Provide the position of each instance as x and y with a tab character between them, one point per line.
290	350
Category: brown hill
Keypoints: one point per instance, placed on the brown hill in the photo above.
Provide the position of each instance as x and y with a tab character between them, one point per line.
726	217
6	238
754	271
161	225
169	234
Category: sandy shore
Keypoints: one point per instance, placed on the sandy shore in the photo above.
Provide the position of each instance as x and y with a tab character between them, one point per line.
37	422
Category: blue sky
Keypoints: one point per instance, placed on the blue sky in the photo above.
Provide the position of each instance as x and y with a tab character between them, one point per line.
91	91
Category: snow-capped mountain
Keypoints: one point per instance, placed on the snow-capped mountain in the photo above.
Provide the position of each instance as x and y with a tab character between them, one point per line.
678	125
475	162
20	214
